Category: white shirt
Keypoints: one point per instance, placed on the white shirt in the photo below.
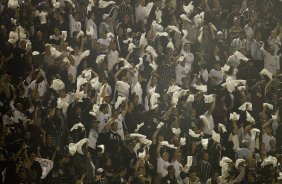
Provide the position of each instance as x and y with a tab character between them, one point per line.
93	136
266	140
181	72
217	74
91	23
102	118
256	52
122	88
140	13
73	72
238	44
162	166
178	169
113	58
233	61
104	43
74	25
271	62
41	88
208	128
42	16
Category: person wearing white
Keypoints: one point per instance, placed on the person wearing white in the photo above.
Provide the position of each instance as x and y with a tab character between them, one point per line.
209	126
93	135
74	24
90	24
217	74
140	12
189	57
181	71
271	61
112	56
162	162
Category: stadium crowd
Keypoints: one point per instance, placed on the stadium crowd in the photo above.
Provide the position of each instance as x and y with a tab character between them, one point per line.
140	92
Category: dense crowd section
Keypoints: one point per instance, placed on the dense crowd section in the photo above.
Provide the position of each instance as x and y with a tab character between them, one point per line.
140	92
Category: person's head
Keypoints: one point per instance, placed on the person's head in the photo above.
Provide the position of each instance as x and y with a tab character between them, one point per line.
251	178
237	21
171	170
95	125
114	126
217	66
126	18
205	156
272	144
242	35
165	156
268	130
39	35
78	110
122	171
120	31
185	82
245	143
193	175
168	3
104	108
57	31
177	155
187	47
219	35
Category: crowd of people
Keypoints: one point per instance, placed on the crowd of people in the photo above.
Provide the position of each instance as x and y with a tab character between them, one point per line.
140	91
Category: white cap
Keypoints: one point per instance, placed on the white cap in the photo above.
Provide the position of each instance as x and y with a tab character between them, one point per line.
57	84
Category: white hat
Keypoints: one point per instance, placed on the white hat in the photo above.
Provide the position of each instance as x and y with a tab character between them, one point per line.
100	58
77	147
189	8
152	51
247	106
76	126
57	84
182	141
205	143
238	162
119	101
160	125
223	127
104	4
266	72
249	118
102	148
193	134
176	131
269	106
190	98
142	155
209	98
215	137
269	160
240	56
234	116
